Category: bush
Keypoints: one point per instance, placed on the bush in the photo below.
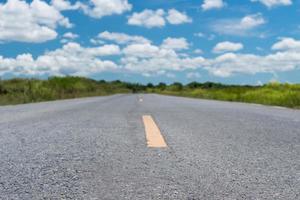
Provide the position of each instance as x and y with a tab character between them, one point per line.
176	87
162	86
32	90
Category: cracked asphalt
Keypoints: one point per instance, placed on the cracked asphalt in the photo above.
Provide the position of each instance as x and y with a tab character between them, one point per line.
95	148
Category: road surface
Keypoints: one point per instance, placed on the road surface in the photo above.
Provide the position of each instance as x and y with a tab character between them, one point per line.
96	148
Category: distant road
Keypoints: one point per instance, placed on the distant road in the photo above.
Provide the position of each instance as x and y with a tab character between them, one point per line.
96	148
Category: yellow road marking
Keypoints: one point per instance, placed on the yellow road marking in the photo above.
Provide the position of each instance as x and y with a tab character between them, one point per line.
140	98
153	134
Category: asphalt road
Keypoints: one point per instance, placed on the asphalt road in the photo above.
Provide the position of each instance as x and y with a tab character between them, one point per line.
95	148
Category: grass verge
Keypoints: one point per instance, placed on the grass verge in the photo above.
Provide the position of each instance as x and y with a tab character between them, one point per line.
18	91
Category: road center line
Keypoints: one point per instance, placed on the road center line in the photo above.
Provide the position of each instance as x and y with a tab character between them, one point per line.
153	134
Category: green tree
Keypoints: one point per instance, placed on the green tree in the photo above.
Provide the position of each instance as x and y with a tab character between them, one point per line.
162	86
176	86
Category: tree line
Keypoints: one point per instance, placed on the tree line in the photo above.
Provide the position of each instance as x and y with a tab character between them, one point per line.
18	90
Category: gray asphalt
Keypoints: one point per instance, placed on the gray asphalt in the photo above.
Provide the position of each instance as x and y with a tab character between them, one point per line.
95	148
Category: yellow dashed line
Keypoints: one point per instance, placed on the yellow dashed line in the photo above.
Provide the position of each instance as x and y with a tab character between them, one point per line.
153	134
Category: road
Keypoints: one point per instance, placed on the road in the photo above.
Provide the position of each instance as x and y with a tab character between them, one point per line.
96	148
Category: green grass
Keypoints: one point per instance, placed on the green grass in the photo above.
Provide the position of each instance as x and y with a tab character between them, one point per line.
287	95
17	91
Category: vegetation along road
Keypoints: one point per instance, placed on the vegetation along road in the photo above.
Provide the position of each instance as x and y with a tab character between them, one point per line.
16	91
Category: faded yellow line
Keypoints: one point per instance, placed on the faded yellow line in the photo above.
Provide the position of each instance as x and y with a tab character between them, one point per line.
153	134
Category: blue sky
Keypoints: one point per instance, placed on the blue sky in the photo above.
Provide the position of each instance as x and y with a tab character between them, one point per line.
228	41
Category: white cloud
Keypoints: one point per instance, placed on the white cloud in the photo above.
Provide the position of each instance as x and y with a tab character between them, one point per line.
145	51
252	21
96	41
95	8
64	41
45	14
150	59
71	59
273	3
287	59
175	43
64	5
70	35
202	35
176	17
227	46
153	65
34	22
241	27
100	8
105	50
229	64
148	18
287	44
158	18
122	38
212	4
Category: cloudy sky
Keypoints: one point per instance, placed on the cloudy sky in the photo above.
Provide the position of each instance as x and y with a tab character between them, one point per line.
229	41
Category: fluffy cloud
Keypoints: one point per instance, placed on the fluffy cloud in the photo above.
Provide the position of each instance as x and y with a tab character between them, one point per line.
229	64
176	17
146	51
240	27
149	59
37	21
212	4
273	3
227	46
202	35
175	43
251	21
122	38
155	65
148	18
64	5
71	59
286	59
96	41
70	35
158	18
287	44
34	22
95	8
154	60
100	8
44	14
